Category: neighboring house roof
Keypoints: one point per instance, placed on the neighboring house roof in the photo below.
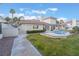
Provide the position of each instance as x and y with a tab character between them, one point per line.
32	22
77	20
68	22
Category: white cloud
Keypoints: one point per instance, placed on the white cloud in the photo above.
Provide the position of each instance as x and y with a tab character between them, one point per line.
21	14
1	14
53	9
17	15
33	17
30	17
22	9
39	11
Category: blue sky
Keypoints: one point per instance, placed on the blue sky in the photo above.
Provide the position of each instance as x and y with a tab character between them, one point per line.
44	9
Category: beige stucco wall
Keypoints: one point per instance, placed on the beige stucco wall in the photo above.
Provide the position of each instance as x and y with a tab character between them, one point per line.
28	27
50	21
74	23
9	31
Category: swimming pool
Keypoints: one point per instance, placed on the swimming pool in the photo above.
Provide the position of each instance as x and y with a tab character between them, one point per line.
57	33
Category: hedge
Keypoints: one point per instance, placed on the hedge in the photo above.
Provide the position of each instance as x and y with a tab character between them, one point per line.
36	31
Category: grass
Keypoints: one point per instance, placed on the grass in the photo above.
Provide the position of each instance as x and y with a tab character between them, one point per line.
55	47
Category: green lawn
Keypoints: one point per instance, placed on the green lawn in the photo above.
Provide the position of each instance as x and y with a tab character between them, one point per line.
60	47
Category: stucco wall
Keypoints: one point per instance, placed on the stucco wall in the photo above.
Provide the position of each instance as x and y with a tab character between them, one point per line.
29	27
8	30
74	23
50	21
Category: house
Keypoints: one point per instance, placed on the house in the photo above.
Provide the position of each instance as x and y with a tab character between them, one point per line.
54	23
29	25
49	23
70	24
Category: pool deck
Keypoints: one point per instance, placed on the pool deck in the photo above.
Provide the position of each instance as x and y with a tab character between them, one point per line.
53	36
23	47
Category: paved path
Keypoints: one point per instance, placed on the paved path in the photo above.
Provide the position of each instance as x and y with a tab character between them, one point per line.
22	47
6	46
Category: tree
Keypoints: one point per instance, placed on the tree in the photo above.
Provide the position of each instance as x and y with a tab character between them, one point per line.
57	22
15	19
76	29
1	17
12	11
7	19
16	22
21	18
61	22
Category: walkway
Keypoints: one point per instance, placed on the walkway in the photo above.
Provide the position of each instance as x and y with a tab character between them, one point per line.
6	46
22	47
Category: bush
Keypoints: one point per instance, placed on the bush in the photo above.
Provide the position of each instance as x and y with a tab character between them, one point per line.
36	31
76	29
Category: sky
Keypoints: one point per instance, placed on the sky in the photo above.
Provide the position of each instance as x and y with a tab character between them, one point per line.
58	10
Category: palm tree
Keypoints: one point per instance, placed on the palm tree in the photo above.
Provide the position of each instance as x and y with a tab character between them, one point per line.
12	11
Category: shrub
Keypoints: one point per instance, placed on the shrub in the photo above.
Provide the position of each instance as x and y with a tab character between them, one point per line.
76	29
36	31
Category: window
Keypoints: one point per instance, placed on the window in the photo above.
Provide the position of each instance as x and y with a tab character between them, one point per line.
35	26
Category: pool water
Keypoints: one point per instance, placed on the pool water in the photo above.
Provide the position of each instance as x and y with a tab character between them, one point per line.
59	31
